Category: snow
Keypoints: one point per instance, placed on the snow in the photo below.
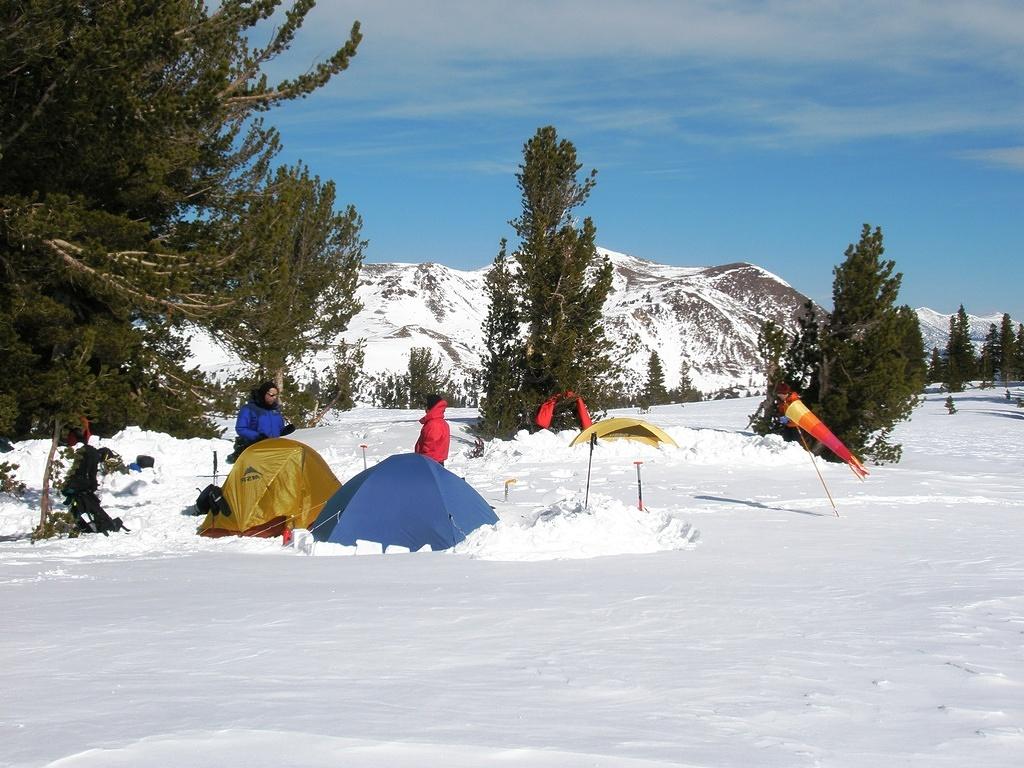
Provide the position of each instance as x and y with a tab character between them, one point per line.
734	622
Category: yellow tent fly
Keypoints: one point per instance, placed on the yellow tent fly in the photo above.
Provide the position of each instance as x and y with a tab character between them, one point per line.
624	428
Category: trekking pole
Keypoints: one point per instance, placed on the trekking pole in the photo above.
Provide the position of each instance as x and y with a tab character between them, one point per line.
639	487
593	442
363	446
806	448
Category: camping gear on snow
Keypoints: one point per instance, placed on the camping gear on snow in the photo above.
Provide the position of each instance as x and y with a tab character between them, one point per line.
145	462
80	492
216	471
546	412
275	484
407	500
590	461
639	487
623	427
211	501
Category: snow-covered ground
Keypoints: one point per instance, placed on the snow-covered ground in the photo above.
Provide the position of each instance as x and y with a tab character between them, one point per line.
736	622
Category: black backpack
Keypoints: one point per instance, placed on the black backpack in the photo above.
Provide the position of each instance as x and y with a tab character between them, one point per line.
211	501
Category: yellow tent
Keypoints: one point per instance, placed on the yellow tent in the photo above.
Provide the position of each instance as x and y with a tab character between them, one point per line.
275	484
625	429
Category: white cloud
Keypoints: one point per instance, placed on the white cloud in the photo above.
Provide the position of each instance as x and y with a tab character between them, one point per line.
787	30
1009	157
769	73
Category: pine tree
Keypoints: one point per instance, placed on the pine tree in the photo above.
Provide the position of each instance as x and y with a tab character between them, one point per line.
685	392
802	359
871	372
985	365
654	391
561	283
1006	361
502	411
936	367
960	363
426	376
335	387
771	346
295	292
908	328
1019	348
391	390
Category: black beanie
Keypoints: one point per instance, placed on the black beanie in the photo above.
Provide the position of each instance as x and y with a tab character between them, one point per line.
262	389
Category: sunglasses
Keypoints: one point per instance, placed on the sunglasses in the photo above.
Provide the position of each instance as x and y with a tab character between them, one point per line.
271	394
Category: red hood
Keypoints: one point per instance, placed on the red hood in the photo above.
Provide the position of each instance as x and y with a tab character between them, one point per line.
437	412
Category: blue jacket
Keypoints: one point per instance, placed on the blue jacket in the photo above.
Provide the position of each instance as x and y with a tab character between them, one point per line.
256	421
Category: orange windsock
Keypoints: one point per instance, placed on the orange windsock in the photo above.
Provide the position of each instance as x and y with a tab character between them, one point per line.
799	416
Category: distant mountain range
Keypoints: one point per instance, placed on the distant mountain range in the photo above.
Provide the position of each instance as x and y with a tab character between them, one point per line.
935	327
706	318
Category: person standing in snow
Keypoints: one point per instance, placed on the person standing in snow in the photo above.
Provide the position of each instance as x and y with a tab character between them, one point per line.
259	419
784	395
435	434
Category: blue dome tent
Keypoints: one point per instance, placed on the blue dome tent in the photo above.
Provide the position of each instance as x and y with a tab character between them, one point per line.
407	500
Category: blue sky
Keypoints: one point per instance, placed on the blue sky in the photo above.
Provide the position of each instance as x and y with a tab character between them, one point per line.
766	132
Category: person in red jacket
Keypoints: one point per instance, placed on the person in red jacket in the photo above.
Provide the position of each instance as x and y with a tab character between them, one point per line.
435	435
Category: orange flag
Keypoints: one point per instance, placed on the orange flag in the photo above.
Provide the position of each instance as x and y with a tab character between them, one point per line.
799	416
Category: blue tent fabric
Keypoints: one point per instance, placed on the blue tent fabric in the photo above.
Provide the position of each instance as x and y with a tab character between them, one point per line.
407	500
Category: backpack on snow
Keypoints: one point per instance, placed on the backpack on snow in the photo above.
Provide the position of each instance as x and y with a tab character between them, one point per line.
211	500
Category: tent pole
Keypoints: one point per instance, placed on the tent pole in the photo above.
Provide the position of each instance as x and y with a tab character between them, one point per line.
813	462
639	487
593	442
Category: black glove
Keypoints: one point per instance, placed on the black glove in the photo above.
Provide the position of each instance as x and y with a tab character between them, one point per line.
288	429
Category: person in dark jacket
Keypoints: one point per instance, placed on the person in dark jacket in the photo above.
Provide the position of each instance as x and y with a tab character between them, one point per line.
259	419
435	434
80	487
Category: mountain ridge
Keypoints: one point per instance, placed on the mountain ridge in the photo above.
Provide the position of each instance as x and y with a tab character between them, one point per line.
706	318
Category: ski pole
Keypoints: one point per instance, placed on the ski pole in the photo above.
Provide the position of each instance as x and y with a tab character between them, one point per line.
214	466
802	440
363	446
639	487
593	442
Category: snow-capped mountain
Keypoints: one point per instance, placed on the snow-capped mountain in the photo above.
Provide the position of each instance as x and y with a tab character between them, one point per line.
935	327
705	317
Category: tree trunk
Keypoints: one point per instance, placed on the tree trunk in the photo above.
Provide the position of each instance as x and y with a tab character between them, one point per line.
44	497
